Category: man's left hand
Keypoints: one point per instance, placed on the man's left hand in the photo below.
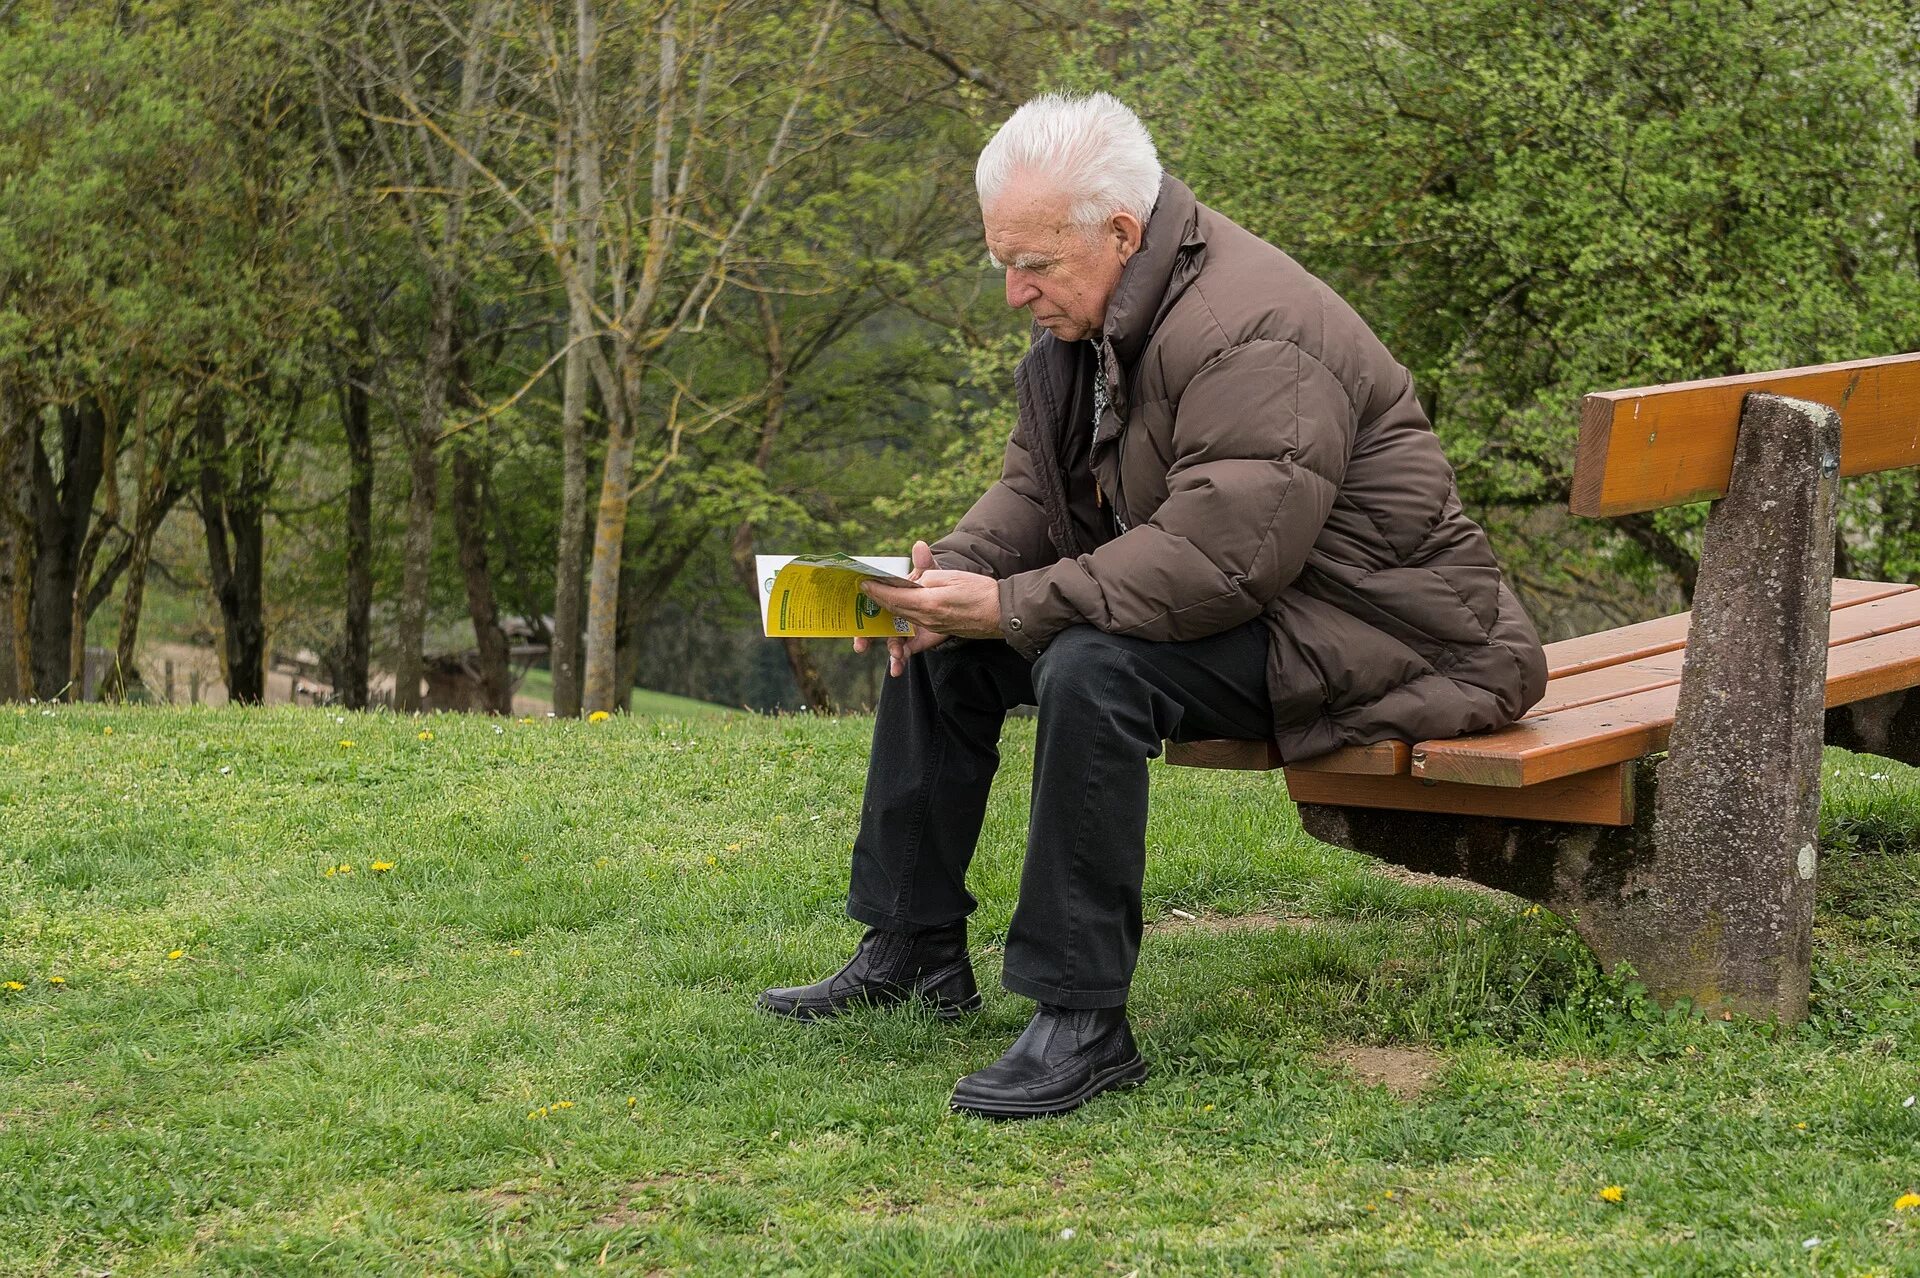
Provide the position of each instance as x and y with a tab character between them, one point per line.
962	604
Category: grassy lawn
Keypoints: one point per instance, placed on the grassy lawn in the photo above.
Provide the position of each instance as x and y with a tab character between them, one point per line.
530	1043
539	683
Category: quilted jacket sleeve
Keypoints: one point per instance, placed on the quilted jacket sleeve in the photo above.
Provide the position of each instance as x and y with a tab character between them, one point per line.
1261	438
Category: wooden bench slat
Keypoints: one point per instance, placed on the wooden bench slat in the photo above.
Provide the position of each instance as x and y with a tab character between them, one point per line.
1383	759
1224	752
1655	446
1875	649
1603	796
1666	634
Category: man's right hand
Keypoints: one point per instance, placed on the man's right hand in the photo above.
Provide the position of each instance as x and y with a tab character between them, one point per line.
898	650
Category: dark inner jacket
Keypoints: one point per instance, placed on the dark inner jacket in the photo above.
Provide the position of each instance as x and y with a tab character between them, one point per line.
1267	458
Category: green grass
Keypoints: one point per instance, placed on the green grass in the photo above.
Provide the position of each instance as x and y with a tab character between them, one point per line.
539	683
345	1074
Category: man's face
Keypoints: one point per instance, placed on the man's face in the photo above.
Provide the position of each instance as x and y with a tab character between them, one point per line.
1063	274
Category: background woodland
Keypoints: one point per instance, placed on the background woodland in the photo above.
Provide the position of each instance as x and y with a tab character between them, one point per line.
347	337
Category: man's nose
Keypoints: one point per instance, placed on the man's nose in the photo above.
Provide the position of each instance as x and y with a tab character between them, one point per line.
1020	290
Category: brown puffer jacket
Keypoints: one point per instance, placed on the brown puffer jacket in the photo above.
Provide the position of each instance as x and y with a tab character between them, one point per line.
1265	457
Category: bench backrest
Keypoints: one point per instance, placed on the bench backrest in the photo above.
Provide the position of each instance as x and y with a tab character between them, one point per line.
1657	446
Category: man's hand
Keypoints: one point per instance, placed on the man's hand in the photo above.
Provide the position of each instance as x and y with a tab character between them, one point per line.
947	603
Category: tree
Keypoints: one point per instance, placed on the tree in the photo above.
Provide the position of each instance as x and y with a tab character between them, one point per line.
1534	202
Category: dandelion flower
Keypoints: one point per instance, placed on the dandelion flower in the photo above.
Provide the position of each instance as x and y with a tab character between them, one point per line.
426	735
56	980
1612	1194
713	860
1906	1202
108	731
15	986
513	953
733	847
346	745
598	716
635	1100
381	867
176	954
528	719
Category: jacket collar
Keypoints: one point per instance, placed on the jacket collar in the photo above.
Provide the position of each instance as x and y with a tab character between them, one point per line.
1153	278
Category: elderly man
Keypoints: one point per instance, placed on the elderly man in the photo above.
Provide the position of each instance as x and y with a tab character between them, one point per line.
1222	514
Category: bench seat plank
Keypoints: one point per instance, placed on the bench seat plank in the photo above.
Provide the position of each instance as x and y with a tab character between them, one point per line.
1875	648
1649	652
1656	446
1666	634
1603	796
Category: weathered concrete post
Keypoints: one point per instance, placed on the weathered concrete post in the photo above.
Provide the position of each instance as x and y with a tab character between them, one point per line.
1739	794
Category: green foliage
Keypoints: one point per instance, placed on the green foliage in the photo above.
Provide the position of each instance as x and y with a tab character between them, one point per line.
1530	202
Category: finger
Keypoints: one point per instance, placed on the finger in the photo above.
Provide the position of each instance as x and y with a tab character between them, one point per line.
860	643
922	560
896	657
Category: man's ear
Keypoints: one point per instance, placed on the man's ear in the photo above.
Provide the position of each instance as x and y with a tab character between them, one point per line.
1127	234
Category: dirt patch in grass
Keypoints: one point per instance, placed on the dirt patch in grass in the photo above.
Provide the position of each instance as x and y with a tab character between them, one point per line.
1415	878
1406	1072
1258	921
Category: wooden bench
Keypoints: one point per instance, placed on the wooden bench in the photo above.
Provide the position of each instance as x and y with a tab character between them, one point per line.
1696	868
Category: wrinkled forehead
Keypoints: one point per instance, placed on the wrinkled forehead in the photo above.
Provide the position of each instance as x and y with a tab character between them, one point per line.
1030	220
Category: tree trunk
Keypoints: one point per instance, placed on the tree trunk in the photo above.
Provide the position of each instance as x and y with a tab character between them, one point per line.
79	612
62	514
569	578
356	417
16	547
234	511
469	522
155	492
416	570
609	536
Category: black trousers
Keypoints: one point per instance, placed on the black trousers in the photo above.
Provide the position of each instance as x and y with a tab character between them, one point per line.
1105	704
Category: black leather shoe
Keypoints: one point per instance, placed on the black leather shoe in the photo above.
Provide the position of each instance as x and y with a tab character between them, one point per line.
889	968
1067	1057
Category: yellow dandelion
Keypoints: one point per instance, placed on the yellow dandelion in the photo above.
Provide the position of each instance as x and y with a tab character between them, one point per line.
635	1100
175	954
344	868
733	847
513	953
1799	1127
1906	1202
1530	911
598	716
426	735
1612	1194
528	719
1206	1109
346	745
713	860
15	986
56	980
109	731
381	867
1388	1194
331	871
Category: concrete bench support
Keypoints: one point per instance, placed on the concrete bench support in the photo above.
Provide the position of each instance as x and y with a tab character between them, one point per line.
1737	815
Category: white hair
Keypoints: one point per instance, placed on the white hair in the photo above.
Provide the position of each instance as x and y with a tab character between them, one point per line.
1093	149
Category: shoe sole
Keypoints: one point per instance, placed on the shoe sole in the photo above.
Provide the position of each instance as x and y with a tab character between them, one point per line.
1126	1074
807	1012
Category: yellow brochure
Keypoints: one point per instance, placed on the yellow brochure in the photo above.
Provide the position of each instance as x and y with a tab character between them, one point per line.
818	596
